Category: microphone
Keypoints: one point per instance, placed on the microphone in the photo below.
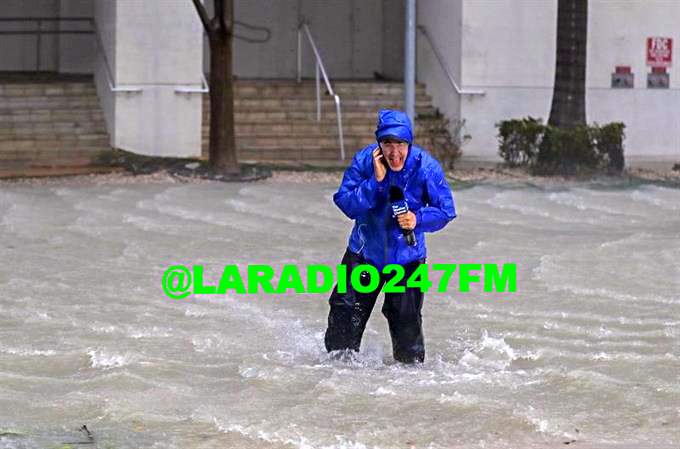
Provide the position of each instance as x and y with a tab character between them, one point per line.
399	207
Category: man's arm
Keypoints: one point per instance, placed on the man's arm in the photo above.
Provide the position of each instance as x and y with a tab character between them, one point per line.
360	189
441	208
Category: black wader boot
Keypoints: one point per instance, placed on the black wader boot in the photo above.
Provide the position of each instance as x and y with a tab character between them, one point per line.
403	313
349	313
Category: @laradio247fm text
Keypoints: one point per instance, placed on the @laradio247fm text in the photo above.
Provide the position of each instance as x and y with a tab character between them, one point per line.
179	281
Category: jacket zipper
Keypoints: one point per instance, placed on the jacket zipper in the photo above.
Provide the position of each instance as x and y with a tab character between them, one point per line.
388	211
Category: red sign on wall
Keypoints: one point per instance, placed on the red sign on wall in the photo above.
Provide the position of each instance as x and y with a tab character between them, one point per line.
659	51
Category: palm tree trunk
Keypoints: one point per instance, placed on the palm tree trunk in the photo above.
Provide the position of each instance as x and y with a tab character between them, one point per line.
569	94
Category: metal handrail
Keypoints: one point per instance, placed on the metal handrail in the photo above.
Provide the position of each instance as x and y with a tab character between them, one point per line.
439	57
319	68
204	89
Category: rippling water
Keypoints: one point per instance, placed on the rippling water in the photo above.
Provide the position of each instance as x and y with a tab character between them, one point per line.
588	349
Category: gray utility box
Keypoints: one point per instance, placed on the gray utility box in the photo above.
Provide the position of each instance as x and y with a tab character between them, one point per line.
658	80
623	80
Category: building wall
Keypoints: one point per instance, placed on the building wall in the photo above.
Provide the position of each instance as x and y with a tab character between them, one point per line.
349	34
273	59
76	51
58	53
503	47
18	52
394	24
618	34
508	50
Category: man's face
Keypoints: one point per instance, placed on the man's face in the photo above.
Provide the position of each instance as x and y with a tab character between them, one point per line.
395	152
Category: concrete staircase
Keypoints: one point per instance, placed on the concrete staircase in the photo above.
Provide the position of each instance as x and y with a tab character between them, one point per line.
50	123
276	120
55	121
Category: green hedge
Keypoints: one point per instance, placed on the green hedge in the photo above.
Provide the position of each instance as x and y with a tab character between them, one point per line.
546	149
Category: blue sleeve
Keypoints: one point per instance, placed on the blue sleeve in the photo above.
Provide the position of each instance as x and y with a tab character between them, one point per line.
359	190
440	209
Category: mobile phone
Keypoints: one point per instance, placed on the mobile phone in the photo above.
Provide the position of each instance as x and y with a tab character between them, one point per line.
383	159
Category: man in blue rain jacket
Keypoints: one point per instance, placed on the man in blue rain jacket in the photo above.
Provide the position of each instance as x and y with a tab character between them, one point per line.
378	238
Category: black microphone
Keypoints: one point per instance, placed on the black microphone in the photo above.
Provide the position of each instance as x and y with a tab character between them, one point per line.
399	207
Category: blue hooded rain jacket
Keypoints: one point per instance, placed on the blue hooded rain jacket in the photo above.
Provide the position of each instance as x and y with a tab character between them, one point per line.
376	234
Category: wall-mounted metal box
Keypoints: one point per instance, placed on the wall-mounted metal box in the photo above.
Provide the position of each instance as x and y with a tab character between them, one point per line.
658	78
623	80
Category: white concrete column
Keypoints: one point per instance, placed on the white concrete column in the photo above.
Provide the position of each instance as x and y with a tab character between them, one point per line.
158	47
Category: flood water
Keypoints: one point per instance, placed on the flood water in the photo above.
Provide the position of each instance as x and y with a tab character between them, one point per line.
587	350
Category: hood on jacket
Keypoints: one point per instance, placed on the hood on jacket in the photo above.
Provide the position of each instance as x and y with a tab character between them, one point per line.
394	123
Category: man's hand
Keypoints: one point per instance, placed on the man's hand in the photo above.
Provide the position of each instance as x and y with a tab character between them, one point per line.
378	166
407	220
